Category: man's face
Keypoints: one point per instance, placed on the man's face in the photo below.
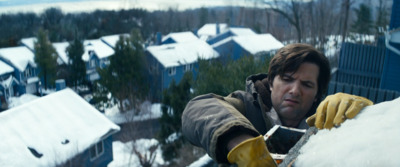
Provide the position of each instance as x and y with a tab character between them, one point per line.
294	93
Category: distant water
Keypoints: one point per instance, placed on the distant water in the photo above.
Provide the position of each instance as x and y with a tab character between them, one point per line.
71	6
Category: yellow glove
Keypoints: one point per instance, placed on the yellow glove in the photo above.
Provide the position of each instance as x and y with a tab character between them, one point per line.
251	153
335	109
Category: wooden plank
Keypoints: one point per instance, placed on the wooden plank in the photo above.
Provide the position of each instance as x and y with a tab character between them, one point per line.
372	95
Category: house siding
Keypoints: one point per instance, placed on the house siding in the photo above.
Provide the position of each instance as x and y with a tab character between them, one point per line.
360	65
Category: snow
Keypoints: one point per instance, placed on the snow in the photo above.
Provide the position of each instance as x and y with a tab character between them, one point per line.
101	49
19	56
112	40
4	68
8	82
149	111
372	138
210	30
61	48
258	43
43	124
25	98
202	161
171	55
253	43
241	31
180	37
29	42
123	155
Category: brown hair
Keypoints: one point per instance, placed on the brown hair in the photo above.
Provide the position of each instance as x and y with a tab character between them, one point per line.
290	57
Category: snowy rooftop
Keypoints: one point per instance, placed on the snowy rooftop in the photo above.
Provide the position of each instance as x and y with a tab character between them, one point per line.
254	43
170	55
57	126
29	42
4	68
19	56
372	138
112	40
241	31
101	49
180	37
210	30
61	51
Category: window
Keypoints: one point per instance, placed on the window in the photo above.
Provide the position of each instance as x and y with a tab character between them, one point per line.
92	63
187	67
171	71
96	150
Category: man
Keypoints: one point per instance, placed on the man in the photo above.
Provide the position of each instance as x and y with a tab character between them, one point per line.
230	128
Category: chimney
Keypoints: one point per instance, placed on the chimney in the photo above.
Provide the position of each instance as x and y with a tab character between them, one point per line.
158	38
217	27
60	84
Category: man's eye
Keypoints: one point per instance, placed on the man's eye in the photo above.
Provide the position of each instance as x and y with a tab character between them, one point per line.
287	79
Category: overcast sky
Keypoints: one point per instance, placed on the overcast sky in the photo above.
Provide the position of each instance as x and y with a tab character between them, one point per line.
37	6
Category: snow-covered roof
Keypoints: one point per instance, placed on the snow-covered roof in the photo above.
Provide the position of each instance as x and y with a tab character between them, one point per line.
254	43
57	126
170	55
238	31
179	37
112	40
5	68
61	51
29	42
372	138
210	30
101	49
19	56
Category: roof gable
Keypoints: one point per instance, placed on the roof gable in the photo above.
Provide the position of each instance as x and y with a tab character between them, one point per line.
97	46
180	37
61	49
29	42
170	55
210	30
253	43
5	68
57	126
111	40
19	56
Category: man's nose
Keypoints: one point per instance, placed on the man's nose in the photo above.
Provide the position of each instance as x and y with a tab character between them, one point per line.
295	89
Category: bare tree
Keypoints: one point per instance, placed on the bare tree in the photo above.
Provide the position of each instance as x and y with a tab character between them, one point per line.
292	11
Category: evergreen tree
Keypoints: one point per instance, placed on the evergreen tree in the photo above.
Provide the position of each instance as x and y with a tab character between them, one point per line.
364	22
173	103
46	58
125	77
226	77
76	65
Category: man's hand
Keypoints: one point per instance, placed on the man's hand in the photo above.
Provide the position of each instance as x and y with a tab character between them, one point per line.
335	109
251	153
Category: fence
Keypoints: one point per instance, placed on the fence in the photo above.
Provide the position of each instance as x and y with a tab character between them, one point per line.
374	94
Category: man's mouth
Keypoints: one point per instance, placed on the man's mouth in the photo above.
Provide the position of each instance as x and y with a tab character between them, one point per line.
292	101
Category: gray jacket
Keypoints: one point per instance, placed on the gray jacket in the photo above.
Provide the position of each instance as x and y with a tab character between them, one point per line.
209	120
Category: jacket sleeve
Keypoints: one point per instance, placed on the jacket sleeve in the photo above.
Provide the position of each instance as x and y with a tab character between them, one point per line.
208	117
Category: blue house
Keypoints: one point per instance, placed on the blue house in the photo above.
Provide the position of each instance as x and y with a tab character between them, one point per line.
211	30
371	71
25	71
59	129
169	62
96	55
391	69
7	82
234	47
